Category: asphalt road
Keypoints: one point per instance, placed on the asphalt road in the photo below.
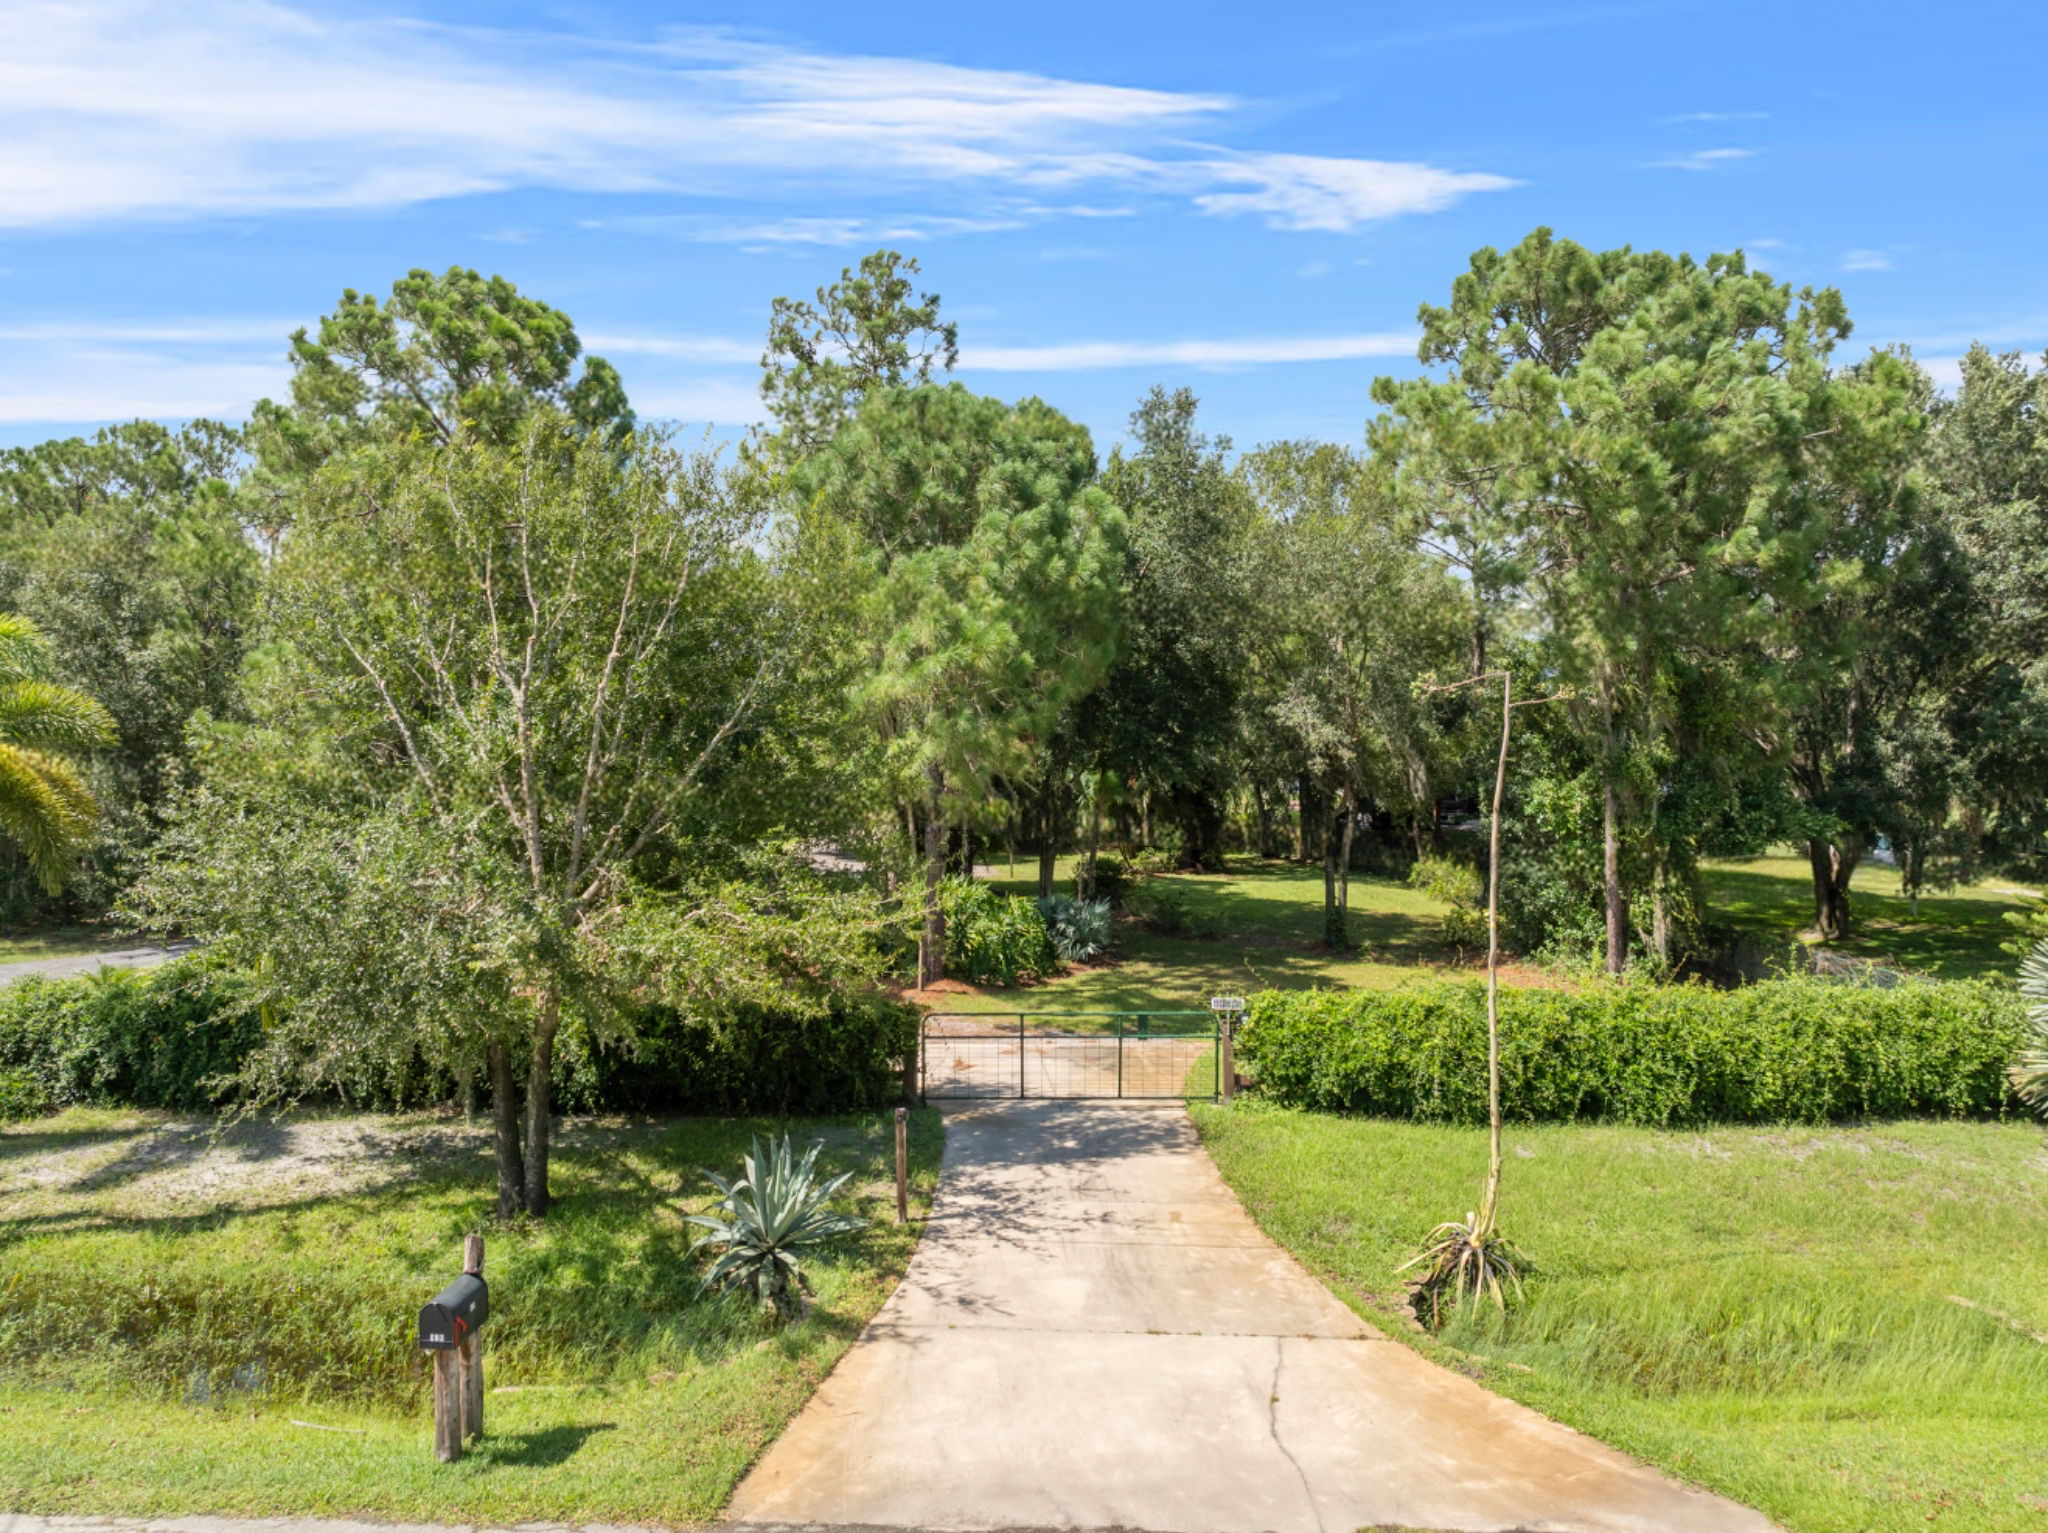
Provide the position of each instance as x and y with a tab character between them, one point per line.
144	956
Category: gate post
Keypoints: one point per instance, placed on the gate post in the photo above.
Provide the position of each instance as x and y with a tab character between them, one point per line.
1021	1088
1119	1057
1226	1061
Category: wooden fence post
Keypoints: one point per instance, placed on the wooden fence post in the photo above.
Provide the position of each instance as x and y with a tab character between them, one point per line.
1227	1058
902	1165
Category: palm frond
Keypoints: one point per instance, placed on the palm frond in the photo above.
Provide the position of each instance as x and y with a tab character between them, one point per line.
45	716
24	651
46	808
2029	1071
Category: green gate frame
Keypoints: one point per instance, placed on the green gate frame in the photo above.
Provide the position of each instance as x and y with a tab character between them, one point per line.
1126	1027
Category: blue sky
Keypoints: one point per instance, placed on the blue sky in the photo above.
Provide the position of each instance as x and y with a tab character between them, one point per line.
1249	199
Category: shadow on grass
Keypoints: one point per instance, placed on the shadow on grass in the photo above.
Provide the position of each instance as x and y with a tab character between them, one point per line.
543	1449
1955	936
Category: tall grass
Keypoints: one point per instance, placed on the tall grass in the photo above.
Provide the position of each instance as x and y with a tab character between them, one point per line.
1770	1312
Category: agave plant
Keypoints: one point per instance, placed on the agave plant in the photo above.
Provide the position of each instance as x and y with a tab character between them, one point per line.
1079	929
1463	1263
773	1209
2030	1068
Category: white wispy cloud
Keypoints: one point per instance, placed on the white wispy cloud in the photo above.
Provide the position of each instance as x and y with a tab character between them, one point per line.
117	109
1866	260
808	229
1709	117
1086	356
1704	159
1295	191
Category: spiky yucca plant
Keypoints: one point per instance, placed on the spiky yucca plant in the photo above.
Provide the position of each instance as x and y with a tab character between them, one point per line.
2030	1068
1466	1261
772	1210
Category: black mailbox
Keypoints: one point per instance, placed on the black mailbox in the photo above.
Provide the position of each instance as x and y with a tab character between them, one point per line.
458	1311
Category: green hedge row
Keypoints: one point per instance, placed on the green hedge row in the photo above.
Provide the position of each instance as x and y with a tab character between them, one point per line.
122	1038
173	1037
1784	1051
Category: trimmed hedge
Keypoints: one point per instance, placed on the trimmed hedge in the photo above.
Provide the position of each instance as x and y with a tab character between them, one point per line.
1783	1051
172	1037
846	1059
122	1038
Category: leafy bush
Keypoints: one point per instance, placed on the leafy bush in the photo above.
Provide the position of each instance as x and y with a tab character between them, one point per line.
775	1208
1459	887
745	1059
991	938
1106	877
1079	929
165	1037
1446	879
1789	1050
19	1096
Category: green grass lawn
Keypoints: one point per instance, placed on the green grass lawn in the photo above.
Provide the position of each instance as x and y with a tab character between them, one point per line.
1769	1313
199	1325
55	942
1256	927
1956	934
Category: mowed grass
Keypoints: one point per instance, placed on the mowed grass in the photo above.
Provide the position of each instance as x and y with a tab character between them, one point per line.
1768	1313
1956	934
54	942
190	1325
1256	927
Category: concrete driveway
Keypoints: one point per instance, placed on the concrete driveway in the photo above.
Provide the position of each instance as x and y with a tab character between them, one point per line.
1093	1334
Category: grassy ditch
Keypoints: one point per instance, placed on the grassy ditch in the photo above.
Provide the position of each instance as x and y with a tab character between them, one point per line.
192	1323
1835	1325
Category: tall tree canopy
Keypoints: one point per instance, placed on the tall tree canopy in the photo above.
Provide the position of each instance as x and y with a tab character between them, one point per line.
524	681
1164	719
1663	442
444	355
869	330
987	569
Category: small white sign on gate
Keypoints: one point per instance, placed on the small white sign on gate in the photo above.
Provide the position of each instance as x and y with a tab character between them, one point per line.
1226	1003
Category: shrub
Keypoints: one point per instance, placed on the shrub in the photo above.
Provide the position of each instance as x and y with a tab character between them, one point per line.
1105	877
1079	929
991	938
166	1037
844	1058
1783	1051
1446	879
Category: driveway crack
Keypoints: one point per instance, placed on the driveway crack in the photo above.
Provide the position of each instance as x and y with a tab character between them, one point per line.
1273	1430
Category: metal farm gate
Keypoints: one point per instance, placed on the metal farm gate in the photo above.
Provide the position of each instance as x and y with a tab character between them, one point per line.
1158	1054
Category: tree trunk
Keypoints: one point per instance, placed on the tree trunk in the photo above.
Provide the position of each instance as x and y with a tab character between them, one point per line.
1264	817
540	1081
505	1122
1048	844
1610	854
931	945
1833	867
1344	864
1335	935
1660	918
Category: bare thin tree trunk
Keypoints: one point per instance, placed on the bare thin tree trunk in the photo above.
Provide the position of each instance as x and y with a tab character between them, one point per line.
1489	1205
1336	936
931	945
505	1122
1610	853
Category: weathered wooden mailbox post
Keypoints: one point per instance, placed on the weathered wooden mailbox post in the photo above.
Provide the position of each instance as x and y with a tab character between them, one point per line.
448	1329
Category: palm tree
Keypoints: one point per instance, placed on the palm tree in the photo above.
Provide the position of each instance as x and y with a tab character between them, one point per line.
44	804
